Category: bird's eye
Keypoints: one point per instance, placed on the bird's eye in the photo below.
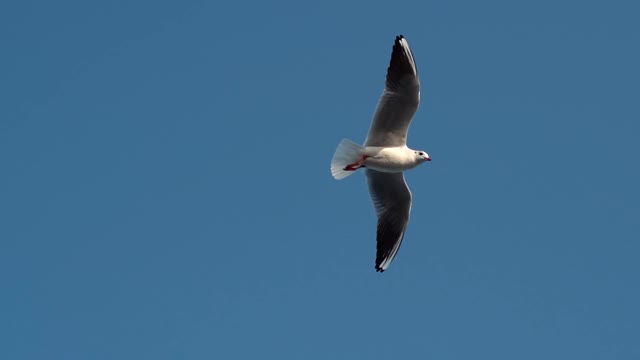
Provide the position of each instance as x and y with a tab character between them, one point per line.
420	154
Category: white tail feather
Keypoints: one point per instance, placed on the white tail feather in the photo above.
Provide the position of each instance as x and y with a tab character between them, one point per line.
346	153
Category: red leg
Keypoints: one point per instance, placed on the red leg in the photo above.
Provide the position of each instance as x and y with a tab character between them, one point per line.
356	165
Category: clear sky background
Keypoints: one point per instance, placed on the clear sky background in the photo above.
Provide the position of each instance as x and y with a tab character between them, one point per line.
165	189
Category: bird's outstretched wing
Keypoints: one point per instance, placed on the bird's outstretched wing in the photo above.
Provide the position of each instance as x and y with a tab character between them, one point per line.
399	100
392	201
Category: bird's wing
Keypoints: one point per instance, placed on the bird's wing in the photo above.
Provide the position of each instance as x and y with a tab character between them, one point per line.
392	201
399	100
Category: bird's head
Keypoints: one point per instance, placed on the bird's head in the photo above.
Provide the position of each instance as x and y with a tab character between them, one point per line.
422	156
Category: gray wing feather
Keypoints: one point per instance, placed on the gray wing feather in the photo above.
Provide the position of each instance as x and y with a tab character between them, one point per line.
399	100
392	201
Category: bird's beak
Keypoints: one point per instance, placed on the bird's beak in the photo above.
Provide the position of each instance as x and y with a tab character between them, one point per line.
426	158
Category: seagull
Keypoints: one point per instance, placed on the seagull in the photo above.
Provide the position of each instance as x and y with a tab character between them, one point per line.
385	154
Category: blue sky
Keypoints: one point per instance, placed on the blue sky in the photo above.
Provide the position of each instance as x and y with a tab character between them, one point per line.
165	189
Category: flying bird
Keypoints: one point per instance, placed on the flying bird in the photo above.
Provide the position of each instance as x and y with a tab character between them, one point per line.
385	154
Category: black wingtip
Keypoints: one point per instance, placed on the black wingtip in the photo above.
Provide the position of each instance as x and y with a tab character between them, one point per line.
379	269
401	63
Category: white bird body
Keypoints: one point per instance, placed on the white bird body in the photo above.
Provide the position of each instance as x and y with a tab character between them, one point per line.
390	159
